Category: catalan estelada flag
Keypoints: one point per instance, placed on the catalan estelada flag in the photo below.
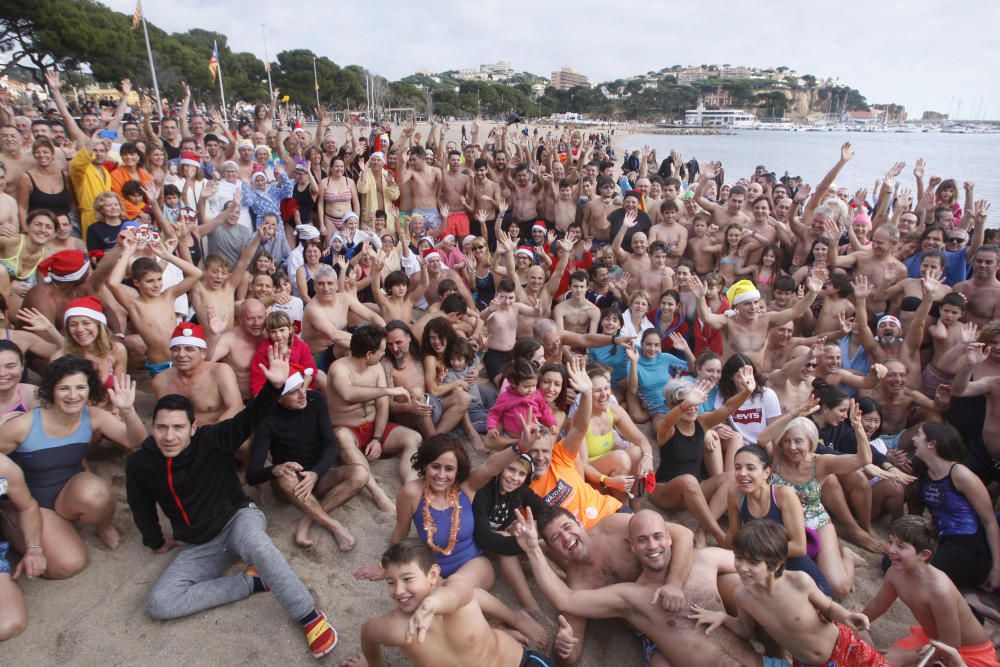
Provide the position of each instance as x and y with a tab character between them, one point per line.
213	62
137	15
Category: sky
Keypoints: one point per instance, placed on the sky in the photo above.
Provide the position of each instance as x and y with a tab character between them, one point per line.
923	54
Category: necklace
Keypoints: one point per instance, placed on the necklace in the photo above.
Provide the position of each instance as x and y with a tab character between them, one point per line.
430	528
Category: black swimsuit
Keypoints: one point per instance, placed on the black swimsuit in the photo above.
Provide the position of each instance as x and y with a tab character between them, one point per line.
57	202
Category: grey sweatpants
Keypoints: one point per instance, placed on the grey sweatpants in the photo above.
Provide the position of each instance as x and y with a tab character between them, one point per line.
194	580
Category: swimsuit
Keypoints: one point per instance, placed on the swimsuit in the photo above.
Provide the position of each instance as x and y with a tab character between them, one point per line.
365	432
57	202
48	463
599	445
431	216
979	655
156	369
851	651
13	265
465	546
18	407
682	455
809	494
330	198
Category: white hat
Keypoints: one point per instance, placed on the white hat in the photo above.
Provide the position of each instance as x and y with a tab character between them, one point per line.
306	232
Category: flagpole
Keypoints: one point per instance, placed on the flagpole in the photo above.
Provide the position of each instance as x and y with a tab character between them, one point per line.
316	82
267	62
152	67
222	92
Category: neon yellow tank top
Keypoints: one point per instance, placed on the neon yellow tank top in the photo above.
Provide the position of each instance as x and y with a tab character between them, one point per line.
599	445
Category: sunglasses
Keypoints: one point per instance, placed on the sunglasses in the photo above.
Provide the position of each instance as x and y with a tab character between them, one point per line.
956	239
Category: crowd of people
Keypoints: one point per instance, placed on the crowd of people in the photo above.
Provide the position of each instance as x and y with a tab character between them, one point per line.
791	368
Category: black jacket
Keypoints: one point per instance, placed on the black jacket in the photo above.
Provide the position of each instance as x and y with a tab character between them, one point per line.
494	511
304	436
198	490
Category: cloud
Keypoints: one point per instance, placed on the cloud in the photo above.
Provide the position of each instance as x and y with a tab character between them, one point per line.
923	54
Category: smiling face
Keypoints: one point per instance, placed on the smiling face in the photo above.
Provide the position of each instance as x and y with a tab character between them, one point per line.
409	585
42	229
513	476
567	538
795	445
71	394
440	473
650	541
83	330
10	370
551	385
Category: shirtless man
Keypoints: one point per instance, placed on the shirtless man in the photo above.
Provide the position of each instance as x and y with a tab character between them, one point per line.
538	292
900	403
436	272
746	332
484	195
150	312
732	212
457	196
637	600
671	232
524	192
324	320
576	313
210	385
422	180
358	397
403	369
237	346
595	216
889	341
980	359
982	291
877	263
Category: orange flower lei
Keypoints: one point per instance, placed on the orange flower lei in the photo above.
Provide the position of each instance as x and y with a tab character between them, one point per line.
456	521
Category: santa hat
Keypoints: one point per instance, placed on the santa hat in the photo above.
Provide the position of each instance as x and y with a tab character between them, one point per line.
525	250
741	292
297	375
230	164
191	159
65	266
446	238
469	239
633	193
86	306
430	254
187	333
298	126
540	227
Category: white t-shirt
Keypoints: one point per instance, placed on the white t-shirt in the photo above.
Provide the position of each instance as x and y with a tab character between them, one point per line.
293	309
751	418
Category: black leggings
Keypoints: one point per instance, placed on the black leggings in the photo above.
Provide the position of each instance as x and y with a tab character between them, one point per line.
964	558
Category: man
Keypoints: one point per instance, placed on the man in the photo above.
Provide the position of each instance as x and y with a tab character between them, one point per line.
436	273
304	456
457	195
201	496
210	386
524	191
66	276
576	313
595	215
324	320
671	632
876	264
236	347
358	397
377	189
671	232
732	212
423	184
485	196
403	369
15	158
746	331
982	291
631	219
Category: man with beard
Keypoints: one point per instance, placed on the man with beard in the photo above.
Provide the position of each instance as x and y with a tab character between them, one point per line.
637	600
210	386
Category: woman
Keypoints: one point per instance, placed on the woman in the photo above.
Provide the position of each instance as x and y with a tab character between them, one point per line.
969	543
336	197
636	317
649	373
15	396
554	385
131	169
612	356
304	193
816	260
617	454
680	480
754	498
436	348
45	185
50	444
103	233
751	418
798	465
668	319
20	255
86	335
157	165
312	253
481	278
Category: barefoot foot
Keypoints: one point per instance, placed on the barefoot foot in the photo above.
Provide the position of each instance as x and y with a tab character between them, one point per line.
302	534
345	541
109	536
537	635
866	541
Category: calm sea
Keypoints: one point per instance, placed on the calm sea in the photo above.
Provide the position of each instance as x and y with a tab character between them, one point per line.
963	157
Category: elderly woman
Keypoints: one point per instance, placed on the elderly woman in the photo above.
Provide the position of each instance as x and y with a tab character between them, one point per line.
261	198
377	189
103	234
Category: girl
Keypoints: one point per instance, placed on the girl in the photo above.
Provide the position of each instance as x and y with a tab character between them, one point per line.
947	196
20	254
519	396
668	319
463	364
755	498
648	375
436	347
612	356
15	396
190	179
817	260
762	406
680	480
763	274
282	338
730	261
708	371
707	337
285	302
130	169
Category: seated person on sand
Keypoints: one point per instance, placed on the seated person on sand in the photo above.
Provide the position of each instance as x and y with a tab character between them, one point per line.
50	444
441	621
16	397
212	521
14	495
237	346
358	397
941	611
788	606
210	385
151	311
305	467
669	632
324	321
280	333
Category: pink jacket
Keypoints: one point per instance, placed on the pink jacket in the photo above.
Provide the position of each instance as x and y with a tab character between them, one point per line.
510	406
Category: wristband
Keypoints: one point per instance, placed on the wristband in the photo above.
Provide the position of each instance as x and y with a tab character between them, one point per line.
602	481
32	546
378	437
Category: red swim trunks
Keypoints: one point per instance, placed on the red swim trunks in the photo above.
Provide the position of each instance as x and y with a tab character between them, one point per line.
457	224
981	655
851	651
365	433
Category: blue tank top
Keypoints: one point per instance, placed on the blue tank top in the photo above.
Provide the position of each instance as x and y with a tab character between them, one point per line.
465	545
952	512
48	463
773	512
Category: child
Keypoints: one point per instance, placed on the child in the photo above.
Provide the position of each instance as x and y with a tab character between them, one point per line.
731	261
936	603
217	290
151	311
285	302
438	621
949	347
463	365
501	318
704	250
494	507
764	274
519	398
281	337
789	606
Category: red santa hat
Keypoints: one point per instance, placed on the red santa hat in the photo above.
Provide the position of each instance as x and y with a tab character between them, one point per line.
297	375
525	250
446	238
187	333
191	159
86	306
430	254
298	126
539	226
65	266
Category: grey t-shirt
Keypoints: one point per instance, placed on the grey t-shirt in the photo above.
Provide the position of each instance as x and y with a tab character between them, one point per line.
229	241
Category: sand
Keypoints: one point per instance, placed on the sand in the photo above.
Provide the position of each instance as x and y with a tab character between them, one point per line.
98	617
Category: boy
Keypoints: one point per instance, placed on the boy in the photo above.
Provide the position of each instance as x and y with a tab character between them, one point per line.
576	313
436	621
150	312
949	344
668	230
789	606
217	289
936	603
501	318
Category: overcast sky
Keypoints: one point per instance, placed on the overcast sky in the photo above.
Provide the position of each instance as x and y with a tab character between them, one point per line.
924	54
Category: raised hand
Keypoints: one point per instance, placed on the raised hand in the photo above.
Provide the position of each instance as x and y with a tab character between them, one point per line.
122	392
524	530
276	371
745	379
976	353
814	284
862	288
53	80
678	341
981	209
918	168
578	378
34	320
967	334
697	394
630	219
896	169
930	284
802	193
846	152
